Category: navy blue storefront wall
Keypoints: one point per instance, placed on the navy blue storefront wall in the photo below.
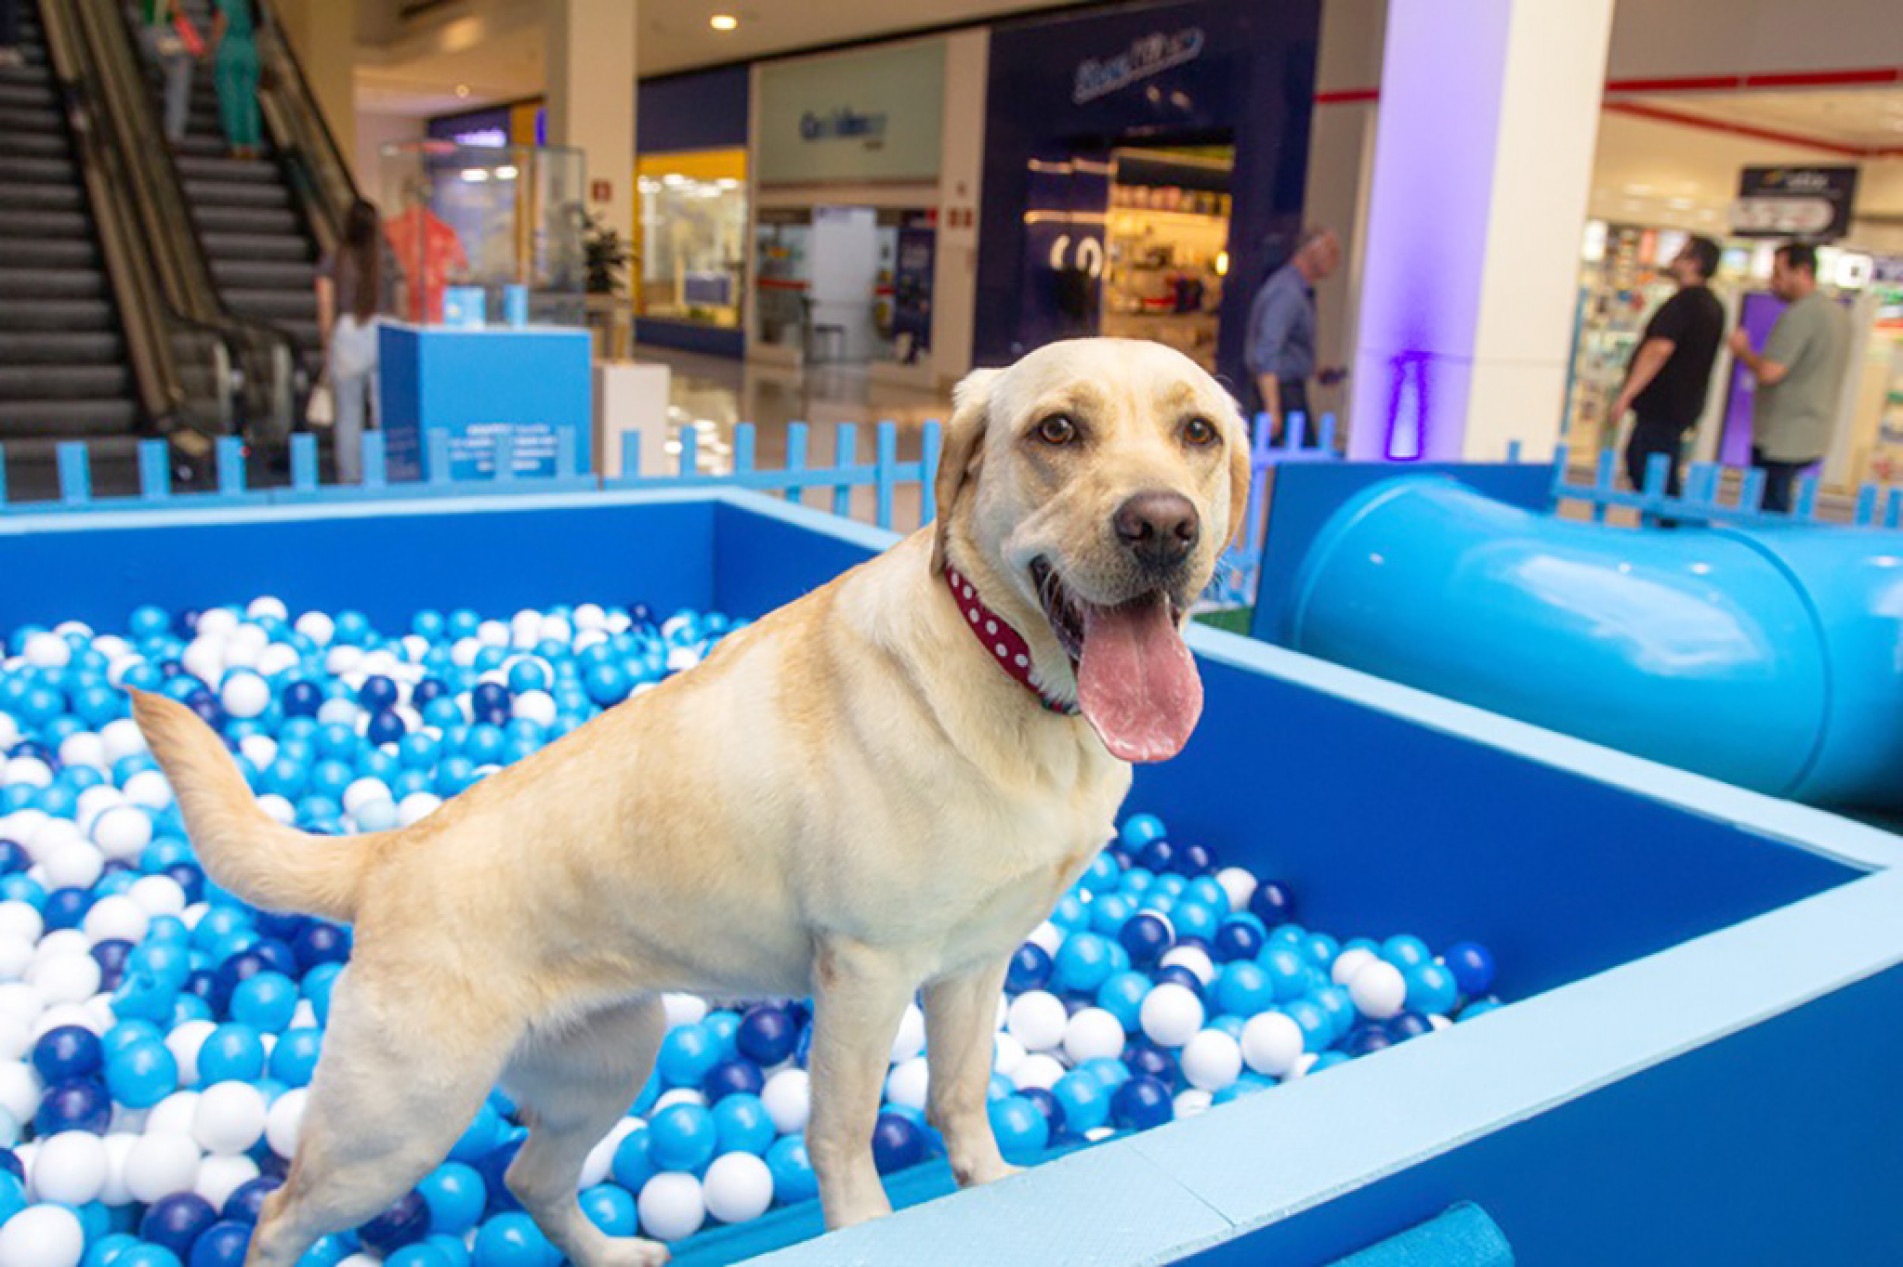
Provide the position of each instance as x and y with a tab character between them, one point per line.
1069	88
673	115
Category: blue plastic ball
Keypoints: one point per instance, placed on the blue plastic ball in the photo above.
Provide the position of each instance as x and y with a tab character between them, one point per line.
142	1074
792	1171
456	1198
682	1137
1273	903
687	1055
70	1051
173	1223
1244	989
232	1052
1158	855
1145	936
265	1002
611	1209
1238	937
633	1163
897	1143
1141	1103
221	1245
742	1125
426	1253
294	1059
1431	989
1047	1104
1082	963
137	1255
246	1201
493	1166
513	1240
1121	995
404	1222
1405	952
81	1104
1140	829
1084	1099
766	1035
1022	1131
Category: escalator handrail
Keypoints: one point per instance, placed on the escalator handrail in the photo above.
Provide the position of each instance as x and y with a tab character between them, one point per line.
301	131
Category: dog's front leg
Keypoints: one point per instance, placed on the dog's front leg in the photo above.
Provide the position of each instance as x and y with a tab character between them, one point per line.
859	994
960	1027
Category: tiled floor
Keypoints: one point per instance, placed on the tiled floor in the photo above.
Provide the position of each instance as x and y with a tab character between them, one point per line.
713	395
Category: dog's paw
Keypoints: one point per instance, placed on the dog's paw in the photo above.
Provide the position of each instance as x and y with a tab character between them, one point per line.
974	1176
633	1251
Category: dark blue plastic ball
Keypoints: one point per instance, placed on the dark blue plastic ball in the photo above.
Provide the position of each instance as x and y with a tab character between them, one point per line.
176	1222
1181	976
246	1201
66	908
277	955
13	857
1272	903
385	727
1158	856
766	1035
377	693
897	1143
1147	1060
320	943
221	1245
428	689
1046	1104
302	699
1141	1103
188	877
1237	939
1368	1039
11	1163
69	1052
732	1077
405	1222
1408	1025
493	1166
1194	860
1030	969
81	1104
1472	966
1145	936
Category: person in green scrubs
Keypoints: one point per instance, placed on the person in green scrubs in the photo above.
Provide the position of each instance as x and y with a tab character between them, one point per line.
235	72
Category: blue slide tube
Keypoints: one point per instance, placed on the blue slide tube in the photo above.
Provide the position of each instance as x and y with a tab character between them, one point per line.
1767	657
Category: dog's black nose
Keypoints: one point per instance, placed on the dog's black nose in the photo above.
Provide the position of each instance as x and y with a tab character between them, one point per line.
1160	528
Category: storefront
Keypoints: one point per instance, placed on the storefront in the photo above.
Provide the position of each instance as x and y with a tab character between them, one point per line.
857	164
691	242
1144	172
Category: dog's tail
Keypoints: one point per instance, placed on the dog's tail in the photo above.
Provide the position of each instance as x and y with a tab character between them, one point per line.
242	848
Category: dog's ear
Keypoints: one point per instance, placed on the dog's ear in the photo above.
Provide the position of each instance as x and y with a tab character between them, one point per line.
963	451
1241	476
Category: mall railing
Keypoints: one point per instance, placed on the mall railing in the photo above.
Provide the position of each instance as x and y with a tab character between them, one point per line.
233	374
1704	499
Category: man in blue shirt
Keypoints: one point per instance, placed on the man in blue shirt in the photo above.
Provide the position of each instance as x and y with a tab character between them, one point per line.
1281	342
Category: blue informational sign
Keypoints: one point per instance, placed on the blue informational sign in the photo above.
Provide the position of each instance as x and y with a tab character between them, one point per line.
475	385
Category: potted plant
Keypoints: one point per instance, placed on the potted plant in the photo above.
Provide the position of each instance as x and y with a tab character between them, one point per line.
606	258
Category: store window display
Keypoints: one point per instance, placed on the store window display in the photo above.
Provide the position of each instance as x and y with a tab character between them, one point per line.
693	236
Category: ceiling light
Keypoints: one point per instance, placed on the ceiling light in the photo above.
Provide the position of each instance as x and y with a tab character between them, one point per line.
723	22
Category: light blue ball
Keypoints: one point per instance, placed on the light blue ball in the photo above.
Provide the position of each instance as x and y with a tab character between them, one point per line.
1140	829
1109	911
294	1059
141	1074
1085	1101
513	1240
105	1250
1287	972
682	1137
1431	989
687	1053
792	1171
1021	1130
742	1125
1406	952
232	1052
420	1254
266	1002
1083	962
633	1166
1244	989
1121	995
454	1252
611	1209
456	1198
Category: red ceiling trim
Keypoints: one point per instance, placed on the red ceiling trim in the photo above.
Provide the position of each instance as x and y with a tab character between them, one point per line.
1743	129
1347	96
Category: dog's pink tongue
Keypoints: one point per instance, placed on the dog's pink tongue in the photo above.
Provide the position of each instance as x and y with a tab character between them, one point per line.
1137	682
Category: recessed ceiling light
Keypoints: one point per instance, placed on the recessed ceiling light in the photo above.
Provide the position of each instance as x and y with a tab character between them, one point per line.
462	90
723	22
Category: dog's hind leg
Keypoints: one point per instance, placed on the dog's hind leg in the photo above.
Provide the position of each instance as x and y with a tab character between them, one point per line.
960	1027
572	1086
392	1092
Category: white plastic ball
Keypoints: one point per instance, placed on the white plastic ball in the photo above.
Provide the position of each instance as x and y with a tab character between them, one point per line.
77	865
342	712
65	978
52	835
1192	1102
48	651
123	739
284	1120
92	806
463	652
536	706
787	1095
362	792
1238	885
21	1001
680	1095
909	1083
160	1164
116	918
1171	1014
1038	1020
220	1176
1006	1054
416	807
204	659
1349	962
42	1236
173	1115
83	748
738	1187
9	730
241	654
30	771
1303	1064
149	788
62	941
277	658
599	1164
16	1038
1437	1022
119	1146
122	833
316	626
1379	990
590	616
1039	1070
158	895
1193	958
683	1009
70	1168
1093	1033
267	605
1271	1044
16	956
556	629
910	1040
341	660
184	1042
217	621
22	920
277	808
230	1117
671	1206
1212	1060
259	750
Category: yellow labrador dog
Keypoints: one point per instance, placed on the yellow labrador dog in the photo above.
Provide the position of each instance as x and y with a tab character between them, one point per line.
879	788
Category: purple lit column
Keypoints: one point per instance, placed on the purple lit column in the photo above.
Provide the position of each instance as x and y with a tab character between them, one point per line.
1483	161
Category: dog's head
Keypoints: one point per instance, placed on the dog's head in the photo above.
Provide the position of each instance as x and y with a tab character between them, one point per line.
1089	490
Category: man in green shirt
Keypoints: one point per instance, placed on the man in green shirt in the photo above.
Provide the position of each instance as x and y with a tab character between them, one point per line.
1800	375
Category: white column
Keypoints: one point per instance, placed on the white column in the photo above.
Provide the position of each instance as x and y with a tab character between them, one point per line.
591	78
1483	162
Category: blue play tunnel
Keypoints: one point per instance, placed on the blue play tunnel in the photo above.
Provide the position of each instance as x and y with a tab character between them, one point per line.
1767	657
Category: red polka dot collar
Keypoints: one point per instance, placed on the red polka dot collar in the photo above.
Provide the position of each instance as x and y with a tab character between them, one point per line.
1005	644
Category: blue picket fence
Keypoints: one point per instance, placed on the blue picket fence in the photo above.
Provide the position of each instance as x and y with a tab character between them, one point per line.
1240	568
1704	497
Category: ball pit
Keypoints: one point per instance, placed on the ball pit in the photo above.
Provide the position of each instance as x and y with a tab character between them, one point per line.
158	1035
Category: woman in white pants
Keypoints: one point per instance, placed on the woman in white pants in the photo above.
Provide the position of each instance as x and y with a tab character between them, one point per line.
350	289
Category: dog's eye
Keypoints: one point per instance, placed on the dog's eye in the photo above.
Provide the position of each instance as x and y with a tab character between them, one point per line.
1199	432
1057	429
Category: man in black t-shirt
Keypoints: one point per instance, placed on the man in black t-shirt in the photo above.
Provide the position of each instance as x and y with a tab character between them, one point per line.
1666	380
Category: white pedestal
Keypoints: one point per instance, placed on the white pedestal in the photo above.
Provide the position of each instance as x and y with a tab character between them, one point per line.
630	397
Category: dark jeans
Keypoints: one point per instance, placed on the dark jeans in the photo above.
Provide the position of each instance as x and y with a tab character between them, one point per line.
1649	436
1778	480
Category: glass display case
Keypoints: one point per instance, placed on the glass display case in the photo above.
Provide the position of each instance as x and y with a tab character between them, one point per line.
783	242
475	230
693	237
